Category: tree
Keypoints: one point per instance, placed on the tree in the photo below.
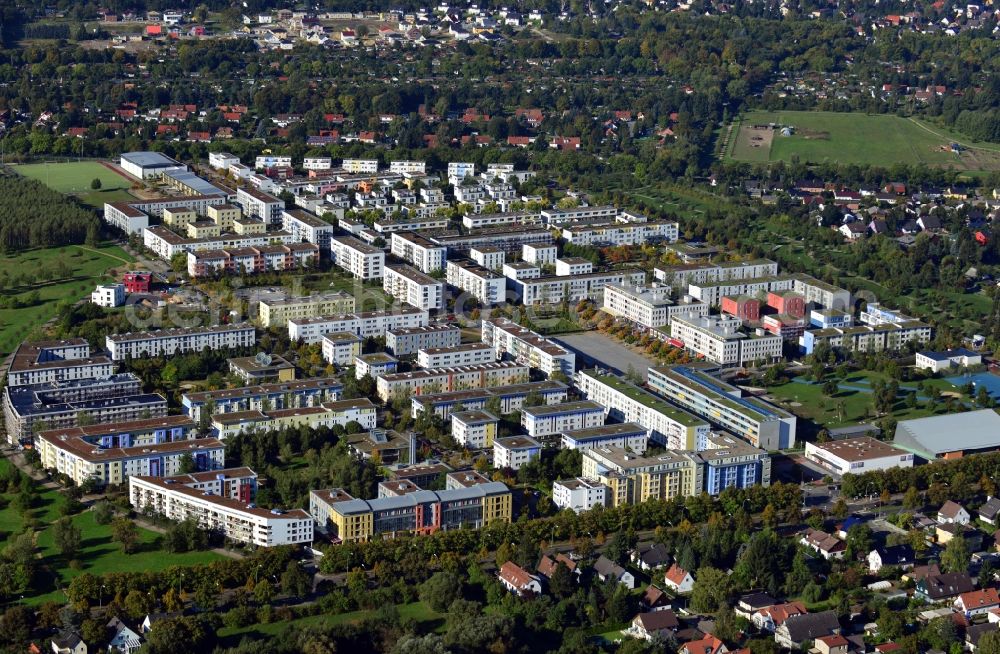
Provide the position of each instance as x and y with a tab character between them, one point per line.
989	643
67	537
295	581
16	624
125	533
561	583
104	512
95	184
955	557
859	541
711	589
911	499
186	465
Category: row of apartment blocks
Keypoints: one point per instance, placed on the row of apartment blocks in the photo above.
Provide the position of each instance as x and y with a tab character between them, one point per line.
168	342
221	501
404	508
364	325
614	476
720	339
438	380
339	412
510	397
409	285
56	361
508	339
276	312
263	397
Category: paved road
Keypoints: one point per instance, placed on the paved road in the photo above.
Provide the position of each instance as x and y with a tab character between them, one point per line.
594	347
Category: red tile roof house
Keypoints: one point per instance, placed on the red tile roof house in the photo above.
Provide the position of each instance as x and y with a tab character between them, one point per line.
707	645
679	579
650	625
518	581
977	602
772	617
547	566
827	546
834	644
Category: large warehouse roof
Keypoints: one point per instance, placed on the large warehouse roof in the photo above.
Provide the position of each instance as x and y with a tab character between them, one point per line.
937	435
150	159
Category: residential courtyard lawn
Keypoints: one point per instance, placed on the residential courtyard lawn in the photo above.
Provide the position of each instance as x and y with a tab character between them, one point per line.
75	177
87	267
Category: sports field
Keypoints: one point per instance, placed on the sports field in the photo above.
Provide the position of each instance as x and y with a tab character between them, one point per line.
853	138
75	177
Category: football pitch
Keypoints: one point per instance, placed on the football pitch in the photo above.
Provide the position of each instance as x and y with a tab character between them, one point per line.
815	137
75	177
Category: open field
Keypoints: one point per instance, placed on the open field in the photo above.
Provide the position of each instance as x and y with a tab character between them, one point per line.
88	267
854	138
74	178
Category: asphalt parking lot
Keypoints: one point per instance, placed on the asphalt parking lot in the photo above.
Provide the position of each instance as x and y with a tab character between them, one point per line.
594	348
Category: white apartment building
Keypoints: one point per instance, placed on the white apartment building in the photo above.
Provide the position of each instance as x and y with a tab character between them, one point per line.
628	436
539	254
407	284
425	256
573	266
718	339
711	293
45	362
123	216
108	295
619	233
541	421
303	226
579	494
272	161
475	429
410	340
341	348
509	339
457	171
554	289
491	258
408	167
317	163
485	285
476	221
816	291
328	414
521	270
373	365
357	257
365	324
260	204
682	275
464	354
390	225
858	455
179	498
592	214
868	338
277	312
443	380
514	452
360	166
167	342
222	160
648	306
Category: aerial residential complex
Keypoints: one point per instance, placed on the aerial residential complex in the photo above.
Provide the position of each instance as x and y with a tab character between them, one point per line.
437	380
649	306
407	284
56	361
166	342
509	339
365	324
277	312
719	339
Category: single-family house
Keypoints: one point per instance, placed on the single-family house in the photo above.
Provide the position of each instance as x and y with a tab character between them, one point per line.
548	564
750	603
650	556
152	619
953	512
679	580
989	511
123	639
976	631
68	642
707	645
827	546
653	624
832	644
799	628
519	581
943	587
896	555
607	569
978	602
772	617
654	599
853	231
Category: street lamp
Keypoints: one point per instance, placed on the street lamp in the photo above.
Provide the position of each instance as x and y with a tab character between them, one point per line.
100	597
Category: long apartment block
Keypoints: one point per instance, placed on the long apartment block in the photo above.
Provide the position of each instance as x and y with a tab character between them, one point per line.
404	341
680	276
481	283
510	398
409	285
508	239
757	422
252	260
632	479
422	254
56	361
167	244
618	233
277	312
554	289
328	414
649	306
418	512
282	395
365	324
868	338
508	339
167	342
463	354
439	380
719	339
667	424
221	501
540	421
627	435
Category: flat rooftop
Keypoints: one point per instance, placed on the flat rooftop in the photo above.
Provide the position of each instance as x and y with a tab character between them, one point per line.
647	399
558	409
859	449
517	443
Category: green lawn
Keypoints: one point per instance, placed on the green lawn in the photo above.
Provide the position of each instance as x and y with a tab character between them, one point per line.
807	400
856	138
98	553
417	611
74	178
88	269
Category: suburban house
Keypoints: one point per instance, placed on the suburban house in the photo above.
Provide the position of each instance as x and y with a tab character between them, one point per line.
943	587
654	599
547	566
68	643
518	581
772	617
976	631
953	513
977	602
753	602
800	628
707	645
123	640
608	569
678	579
651	556
827	546
833	644
650	625
897	555
989	511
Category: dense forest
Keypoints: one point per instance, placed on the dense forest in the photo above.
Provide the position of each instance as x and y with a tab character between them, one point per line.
32	215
